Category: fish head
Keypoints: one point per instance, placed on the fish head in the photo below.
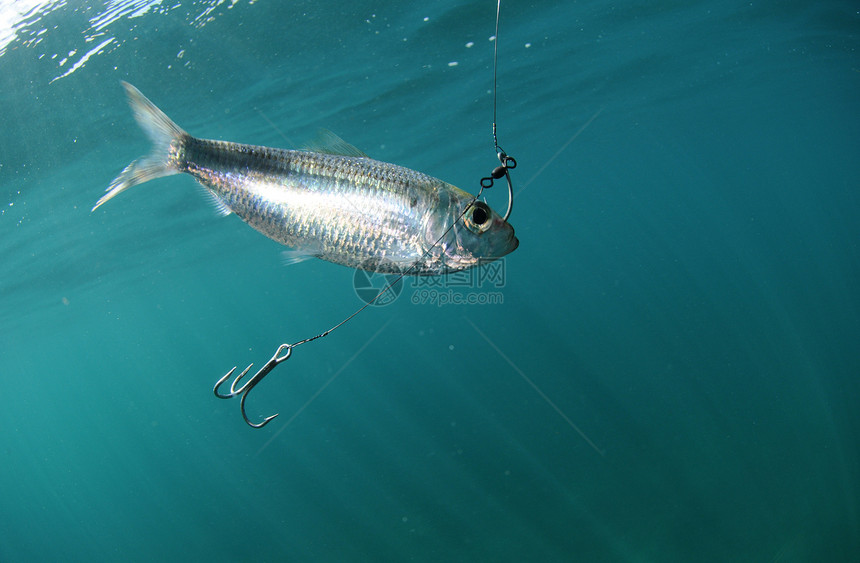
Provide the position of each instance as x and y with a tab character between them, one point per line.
480	235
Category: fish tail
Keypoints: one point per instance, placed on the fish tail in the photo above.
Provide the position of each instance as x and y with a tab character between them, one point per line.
161	131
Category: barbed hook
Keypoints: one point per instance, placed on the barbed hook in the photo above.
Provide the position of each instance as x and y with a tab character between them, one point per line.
282	353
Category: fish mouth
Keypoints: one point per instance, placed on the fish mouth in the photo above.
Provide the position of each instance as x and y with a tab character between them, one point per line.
505	248
512	243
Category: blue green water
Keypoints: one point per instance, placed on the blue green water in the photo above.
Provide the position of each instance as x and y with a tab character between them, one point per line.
668	370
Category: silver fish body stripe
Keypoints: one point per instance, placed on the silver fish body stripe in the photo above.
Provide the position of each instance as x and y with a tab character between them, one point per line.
345	208
354	211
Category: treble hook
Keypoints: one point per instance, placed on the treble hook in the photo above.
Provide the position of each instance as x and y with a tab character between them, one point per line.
282	353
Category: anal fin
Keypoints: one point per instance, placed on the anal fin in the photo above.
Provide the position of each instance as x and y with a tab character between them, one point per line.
220	206
290	257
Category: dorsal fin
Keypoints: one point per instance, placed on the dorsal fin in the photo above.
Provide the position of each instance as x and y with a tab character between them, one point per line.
328	143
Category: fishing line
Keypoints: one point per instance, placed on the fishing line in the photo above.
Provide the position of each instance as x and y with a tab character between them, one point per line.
284	351
507	162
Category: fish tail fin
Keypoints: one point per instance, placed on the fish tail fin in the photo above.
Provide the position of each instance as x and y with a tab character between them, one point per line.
161	131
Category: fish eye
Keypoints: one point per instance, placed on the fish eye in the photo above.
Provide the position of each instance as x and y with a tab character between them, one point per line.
477	218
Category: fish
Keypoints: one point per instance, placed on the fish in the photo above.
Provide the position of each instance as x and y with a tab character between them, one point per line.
336	204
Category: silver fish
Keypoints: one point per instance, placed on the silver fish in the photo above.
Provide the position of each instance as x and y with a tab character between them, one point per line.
344	208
